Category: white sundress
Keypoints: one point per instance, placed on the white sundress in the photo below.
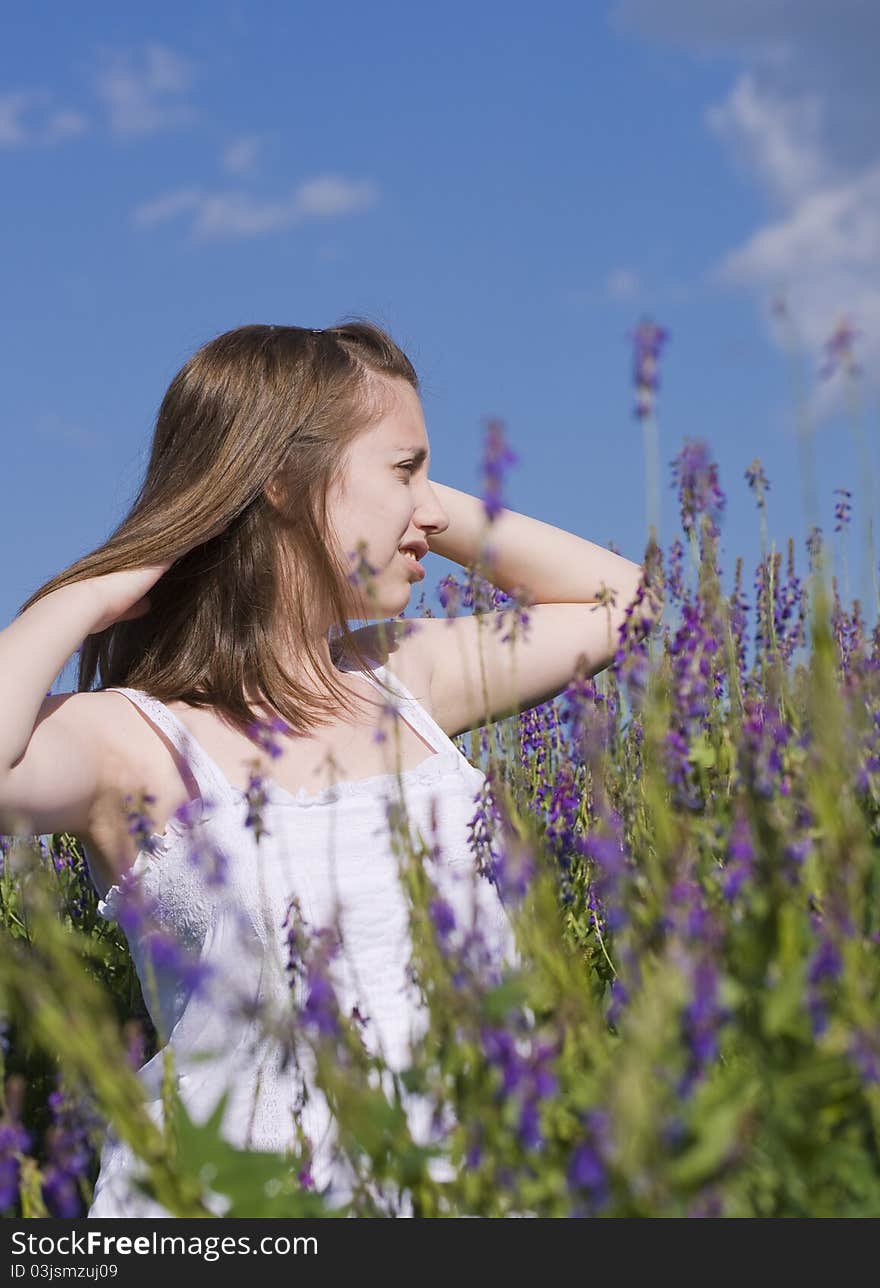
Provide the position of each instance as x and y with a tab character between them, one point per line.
329	846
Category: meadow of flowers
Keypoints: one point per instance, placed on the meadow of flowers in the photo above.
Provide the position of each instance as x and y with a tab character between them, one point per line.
687	844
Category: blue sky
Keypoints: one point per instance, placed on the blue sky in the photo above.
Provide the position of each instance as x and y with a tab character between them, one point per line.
508	190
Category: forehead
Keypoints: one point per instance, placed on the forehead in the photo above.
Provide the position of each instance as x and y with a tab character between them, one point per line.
400	422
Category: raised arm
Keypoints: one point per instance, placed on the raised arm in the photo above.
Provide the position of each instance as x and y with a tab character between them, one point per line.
53	749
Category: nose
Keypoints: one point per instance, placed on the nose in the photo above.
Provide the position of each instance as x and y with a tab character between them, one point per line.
429	513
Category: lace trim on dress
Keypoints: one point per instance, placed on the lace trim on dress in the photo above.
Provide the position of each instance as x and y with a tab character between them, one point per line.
217	792
166	844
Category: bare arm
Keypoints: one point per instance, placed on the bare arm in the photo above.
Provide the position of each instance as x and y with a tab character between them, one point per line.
552	565
33	649
50	747
53	751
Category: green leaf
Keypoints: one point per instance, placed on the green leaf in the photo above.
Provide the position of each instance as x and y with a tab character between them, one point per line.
719	1131
258	1183
701	753
783	1004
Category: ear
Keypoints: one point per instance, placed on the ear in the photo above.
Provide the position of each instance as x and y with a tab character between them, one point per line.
273	490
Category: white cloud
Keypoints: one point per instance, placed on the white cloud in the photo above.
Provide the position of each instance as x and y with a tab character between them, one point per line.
13	132
224	215
66	124
138	100
836	227
147	98
237	214
330	195
166	207
241	155
777	139
799	120
44	130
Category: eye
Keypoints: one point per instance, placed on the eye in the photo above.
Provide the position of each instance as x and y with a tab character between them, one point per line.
408	465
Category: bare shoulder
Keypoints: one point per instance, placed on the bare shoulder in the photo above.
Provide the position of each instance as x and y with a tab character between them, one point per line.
92	718
129	764
126	757
111	713
64	772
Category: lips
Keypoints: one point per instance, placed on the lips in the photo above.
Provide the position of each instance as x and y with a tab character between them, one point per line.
414	567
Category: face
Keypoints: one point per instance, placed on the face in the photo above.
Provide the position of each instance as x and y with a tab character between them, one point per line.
384	499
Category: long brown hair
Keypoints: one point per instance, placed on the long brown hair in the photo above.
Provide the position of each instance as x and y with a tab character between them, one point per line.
250	402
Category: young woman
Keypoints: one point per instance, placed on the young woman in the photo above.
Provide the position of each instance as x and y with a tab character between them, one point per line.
287	494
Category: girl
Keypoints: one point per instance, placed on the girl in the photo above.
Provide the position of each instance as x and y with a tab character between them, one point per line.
287	493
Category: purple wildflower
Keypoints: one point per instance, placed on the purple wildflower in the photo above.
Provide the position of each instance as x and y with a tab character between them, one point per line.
443	919
758	482
839	350
790	610
257	800
500	1050
631	661
527	1075
561	807
823	970
168	955
541	1085
308	963
14	1140
765	736
737	606
674	576
496	457
364	572
140	823
322	1008
698	489
707	1204
68	1156
474	1151
865	1053
740	855
262	732
618	997
591	717
814	547
513	617
697	668
305	1178
701	1021
136	915
529	1131
482	826
450	593
587	1176
512	868
648	340
586	1170
606	848
842	510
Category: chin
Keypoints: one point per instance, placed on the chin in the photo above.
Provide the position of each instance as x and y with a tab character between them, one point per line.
385	604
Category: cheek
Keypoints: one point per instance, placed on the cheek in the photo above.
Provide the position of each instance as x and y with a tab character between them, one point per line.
379	523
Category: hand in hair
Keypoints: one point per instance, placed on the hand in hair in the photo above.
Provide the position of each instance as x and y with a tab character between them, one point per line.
122	596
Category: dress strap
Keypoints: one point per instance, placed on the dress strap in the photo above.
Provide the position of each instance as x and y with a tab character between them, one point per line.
415	714
212	783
